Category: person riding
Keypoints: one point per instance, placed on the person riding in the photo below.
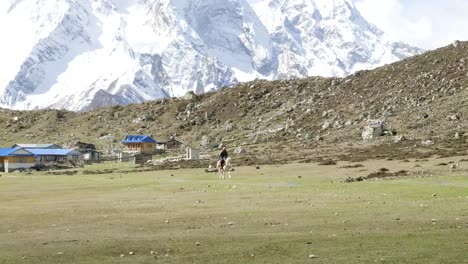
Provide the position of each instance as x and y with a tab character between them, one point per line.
223	156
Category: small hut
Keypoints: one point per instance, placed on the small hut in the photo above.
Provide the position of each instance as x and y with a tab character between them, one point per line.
170	144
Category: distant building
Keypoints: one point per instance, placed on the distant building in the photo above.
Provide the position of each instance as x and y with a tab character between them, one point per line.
137	148
90	154
44	156
37	146
12	159
134	144
170	144
192	153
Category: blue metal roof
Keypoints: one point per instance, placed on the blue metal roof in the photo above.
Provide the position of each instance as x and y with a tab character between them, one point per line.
50	152
37	146
8	152
138	139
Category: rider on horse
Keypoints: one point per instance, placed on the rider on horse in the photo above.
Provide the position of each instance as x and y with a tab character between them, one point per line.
223	156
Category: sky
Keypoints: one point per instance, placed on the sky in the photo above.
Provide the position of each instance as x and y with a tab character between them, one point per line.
426	24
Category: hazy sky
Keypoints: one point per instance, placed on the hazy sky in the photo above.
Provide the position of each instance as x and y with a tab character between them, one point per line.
425	23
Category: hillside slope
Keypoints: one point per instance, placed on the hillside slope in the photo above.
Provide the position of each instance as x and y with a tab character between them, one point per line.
423	98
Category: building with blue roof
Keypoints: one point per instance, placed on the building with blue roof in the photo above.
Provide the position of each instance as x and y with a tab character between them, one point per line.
12	159
37	146
139	144
56	155
138	139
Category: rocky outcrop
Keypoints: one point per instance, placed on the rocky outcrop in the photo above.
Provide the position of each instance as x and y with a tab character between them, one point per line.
375	128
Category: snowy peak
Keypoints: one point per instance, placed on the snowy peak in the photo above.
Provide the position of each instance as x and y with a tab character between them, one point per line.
231	32
82	54
327	38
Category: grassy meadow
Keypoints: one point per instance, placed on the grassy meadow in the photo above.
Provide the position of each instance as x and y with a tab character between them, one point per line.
297	213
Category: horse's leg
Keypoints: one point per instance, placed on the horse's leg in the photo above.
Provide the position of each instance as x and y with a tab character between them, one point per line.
218	166
220	170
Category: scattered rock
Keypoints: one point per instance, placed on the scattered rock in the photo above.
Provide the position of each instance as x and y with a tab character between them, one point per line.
459	135
205	140
228	126
327	162
326	124
452	117
190	95
399	138
352	166
375	128
239	150
319	138
453	166
427	142
136	120
378	175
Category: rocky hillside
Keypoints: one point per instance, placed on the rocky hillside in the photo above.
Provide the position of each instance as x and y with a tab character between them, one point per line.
423	102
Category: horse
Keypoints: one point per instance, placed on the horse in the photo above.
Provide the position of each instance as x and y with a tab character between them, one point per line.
223	167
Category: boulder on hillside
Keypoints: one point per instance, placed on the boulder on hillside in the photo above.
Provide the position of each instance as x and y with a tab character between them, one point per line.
399	139
228	126
190	95
239	150
375	128
205	140
326	124
452	117
427	142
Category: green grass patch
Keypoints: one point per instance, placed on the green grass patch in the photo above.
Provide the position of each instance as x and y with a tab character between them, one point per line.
268	215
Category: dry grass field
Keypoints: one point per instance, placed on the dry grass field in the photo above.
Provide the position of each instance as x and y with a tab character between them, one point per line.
297	213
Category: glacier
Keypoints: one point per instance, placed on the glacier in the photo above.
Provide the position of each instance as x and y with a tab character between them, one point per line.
84	54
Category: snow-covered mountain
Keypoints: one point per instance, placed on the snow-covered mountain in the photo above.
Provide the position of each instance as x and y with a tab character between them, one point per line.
82	54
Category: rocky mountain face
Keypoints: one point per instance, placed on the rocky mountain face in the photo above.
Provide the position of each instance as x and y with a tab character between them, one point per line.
414	108
81	54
